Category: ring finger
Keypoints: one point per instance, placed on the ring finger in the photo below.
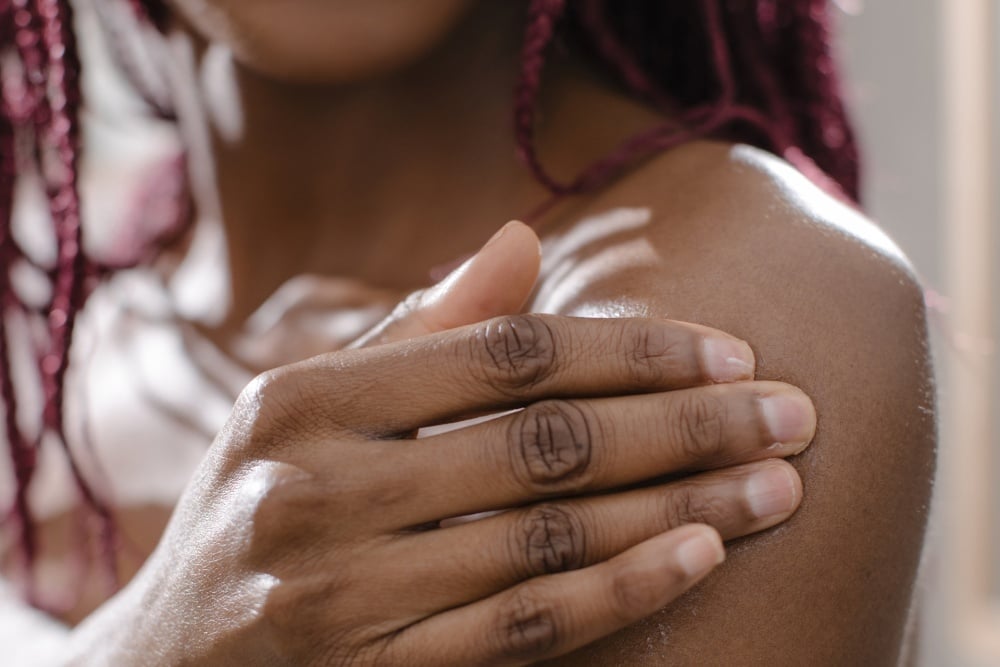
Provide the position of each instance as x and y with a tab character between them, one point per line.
475	560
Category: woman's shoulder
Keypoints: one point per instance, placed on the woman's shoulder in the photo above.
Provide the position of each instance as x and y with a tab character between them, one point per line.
713	223
736	239
733	238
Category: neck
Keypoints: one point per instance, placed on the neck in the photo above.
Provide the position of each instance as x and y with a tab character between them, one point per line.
378	180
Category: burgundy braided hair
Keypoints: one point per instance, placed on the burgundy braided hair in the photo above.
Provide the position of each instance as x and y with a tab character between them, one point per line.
45	106
781	93
757	71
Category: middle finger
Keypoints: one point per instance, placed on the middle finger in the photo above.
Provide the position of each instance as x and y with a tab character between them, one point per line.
562	448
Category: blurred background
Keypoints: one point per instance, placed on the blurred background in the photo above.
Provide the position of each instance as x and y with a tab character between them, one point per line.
924	81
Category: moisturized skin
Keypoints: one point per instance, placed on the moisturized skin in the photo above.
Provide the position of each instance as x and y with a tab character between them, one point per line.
379	163
744	243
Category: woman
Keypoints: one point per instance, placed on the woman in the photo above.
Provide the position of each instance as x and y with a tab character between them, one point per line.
362	140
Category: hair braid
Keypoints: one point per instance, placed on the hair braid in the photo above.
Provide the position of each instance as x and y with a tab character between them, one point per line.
46	106
721	57
68	293
543	15
610	48
825	133
781	94
20	26
22	453
753	36
28	103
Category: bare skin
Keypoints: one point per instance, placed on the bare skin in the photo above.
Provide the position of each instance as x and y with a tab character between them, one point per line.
826	301
733	241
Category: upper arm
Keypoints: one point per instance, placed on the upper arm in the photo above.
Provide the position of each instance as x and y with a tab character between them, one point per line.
827	311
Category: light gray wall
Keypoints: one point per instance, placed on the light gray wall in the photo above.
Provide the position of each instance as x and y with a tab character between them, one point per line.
891	53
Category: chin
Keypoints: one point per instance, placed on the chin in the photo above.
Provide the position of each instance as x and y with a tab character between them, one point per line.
324	41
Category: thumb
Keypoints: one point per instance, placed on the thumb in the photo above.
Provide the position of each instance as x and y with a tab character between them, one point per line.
495	281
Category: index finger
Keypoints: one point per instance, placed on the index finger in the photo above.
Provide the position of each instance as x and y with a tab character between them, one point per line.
497	280
512	361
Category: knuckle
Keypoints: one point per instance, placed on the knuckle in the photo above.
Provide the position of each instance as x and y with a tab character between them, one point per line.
699	424
632	595
260	394
266	398
655	353
279	495
514	353
548	539
679	506
282	524
527	627
295	618
274	410
692	503
551	445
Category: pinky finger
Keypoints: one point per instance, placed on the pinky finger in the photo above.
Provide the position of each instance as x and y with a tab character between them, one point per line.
553	615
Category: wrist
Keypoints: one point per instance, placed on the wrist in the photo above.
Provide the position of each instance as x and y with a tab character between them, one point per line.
110	635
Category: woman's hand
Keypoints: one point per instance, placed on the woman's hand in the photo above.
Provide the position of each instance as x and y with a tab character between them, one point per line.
311	315
309	535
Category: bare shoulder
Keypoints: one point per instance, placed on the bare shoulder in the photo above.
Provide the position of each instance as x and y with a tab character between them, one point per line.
736	239
721	212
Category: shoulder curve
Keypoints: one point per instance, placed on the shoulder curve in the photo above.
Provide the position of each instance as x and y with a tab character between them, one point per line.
760	185
804	198
733	238
738	211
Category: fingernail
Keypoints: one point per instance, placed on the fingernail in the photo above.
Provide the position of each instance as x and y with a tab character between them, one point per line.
771	492
791	419
700	553
496	237
727	359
